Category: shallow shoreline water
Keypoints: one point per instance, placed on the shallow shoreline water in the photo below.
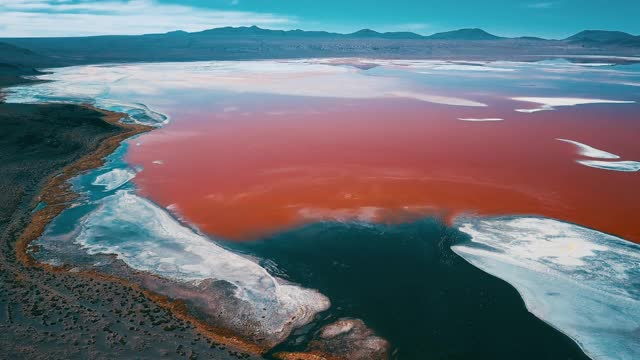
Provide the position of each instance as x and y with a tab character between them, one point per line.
40	141
204	294
58	194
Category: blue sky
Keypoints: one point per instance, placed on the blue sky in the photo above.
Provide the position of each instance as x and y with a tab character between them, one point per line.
547	18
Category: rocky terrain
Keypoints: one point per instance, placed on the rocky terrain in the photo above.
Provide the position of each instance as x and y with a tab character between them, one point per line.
62	314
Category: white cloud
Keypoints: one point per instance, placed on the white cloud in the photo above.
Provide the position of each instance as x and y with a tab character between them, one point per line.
20	18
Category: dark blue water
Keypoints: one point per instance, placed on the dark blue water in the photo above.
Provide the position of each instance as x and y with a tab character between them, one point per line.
407	285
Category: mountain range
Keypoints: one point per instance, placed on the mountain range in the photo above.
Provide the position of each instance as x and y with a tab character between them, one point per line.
461	34
237	43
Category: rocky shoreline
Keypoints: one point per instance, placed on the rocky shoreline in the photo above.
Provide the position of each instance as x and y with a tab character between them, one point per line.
55	313
52	195
57	194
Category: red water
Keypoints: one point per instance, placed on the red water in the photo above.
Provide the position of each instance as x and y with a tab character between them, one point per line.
242	176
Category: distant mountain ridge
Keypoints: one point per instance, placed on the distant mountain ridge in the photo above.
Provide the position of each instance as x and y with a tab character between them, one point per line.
465	34
12	56
252	42
460	34
254	31
605	37
16	62
601	36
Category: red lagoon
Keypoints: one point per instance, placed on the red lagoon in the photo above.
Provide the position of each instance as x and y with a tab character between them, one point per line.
242	175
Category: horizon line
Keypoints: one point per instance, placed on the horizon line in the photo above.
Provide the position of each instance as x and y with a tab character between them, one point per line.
426	37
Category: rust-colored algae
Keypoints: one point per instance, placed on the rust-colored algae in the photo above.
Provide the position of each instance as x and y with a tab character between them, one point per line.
390	161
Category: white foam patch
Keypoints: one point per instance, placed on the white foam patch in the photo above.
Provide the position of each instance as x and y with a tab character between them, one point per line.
463	67
147	238
596	64
480	119
583	282
624	166
550	103
588	151
114	179
158	162
531	111
436	99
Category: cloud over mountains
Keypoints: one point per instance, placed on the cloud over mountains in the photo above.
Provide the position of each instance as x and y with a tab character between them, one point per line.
20	18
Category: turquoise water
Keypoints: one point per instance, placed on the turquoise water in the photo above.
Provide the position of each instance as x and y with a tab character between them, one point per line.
41	205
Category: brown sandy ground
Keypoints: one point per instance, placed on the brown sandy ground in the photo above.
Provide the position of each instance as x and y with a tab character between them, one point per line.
65	315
